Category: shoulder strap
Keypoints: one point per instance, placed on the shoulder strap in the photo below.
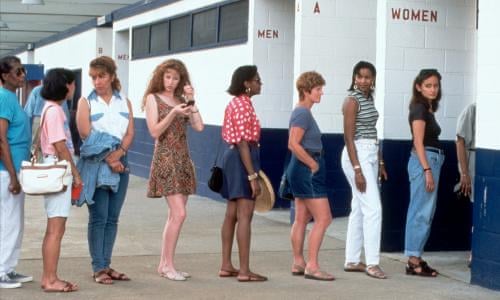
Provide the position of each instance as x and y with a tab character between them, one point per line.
37	150
219	146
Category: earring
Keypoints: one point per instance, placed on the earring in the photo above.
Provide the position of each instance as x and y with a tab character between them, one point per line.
355	86
372	87
248	90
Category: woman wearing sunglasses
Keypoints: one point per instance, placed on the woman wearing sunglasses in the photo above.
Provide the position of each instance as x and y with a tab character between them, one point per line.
15	140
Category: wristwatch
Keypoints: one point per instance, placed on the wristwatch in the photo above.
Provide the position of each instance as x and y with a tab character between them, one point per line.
253	176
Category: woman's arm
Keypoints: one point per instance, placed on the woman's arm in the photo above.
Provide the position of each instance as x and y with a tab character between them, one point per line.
127	139
244	151
6	158
195	119
418	128
350	110
294	139
129	135
64	154
83	118
157	127
465	180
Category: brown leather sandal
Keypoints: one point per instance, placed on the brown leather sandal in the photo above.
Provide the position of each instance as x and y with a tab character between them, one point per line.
375	271
102	277
354	267
117	275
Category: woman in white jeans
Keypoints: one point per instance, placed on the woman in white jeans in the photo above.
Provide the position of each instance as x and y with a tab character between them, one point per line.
363	165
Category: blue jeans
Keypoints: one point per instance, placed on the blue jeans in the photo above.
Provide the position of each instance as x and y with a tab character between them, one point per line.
103	223
422	203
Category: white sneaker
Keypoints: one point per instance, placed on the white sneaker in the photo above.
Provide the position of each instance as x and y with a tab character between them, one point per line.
7	283
20	277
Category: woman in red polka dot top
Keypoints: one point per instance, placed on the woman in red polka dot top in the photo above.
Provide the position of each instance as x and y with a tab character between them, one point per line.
240	165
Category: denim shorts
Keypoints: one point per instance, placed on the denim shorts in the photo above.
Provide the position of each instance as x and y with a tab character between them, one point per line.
303	183
235	183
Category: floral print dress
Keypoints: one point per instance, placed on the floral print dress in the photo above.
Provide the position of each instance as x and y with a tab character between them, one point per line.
172	170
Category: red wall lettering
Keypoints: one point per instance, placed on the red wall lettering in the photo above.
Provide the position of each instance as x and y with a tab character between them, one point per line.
316	8
122	57
267	34
416	15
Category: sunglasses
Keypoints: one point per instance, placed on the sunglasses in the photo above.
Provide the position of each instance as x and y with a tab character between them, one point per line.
427	72
20	71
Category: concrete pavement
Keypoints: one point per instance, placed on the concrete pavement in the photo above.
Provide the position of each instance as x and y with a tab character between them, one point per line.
138	245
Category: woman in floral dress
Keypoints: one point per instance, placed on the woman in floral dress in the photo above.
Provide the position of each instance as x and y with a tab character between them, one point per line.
170	108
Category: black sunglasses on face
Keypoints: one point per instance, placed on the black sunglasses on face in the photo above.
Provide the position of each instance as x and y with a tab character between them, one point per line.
20	71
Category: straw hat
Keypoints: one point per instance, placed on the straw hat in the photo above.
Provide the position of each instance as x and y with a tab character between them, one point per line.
265	201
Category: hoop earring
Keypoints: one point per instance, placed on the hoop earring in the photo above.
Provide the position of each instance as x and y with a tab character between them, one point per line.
248	90
355	86
372	87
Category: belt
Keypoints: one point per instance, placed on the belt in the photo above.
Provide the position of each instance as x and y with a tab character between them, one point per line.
314	153
434	150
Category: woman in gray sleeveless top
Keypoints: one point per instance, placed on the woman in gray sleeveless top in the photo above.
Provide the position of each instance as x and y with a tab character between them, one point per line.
363	165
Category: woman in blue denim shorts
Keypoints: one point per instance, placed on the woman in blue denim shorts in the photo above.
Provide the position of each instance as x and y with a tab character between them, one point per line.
306	174
424	166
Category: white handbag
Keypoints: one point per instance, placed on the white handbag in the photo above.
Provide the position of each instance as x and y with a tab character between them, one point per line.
45	178
37	178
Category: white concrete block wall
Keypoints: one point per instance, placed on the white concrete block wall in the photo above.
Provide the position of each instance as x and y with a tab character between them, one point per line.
273	42
24	57
437	34
75	53
488	64
210	70
331	42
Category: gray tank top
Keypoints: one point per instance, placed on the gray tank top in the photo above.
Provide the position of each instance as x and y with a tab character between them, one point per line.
366	118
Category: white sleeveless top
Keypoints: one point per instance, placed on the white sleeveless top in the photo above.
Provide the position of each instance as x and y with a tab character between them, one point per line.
109	117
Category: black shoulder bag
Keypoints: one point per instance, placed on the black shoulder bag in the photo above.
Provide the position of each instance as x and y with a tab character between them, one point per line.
216	178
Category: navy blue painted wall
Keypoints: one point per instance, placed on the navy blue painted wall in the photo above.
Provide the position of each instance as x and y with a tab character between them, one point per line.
204	145
485	269
452	222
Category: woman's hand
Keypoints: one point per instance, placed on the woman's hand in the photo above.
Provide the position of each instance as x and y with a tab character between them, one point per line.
182	109
382	173
360	180
314	168
188	92
429	181
116	166
14	186
254	184
465	185
114	155
77	180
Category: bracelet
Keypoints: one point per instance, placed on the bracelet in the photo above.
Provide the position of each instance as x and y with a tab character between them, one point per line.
253	176
427	169
356	167
381	163
123	149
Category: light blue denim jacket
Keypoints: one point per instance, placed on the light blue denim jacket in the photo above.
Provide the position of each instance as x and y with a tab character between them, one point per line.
93	169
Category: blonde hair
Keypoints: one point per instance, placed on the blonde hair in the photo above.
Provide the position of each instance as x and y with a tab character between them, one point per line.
156	85
107	65
307	81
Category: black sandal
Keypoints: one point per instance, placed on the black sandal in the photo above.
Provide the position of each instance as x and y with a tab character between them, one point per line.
425	269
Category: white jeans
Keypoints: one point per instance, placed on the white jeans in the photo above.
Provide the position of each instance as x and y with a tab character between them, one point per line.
365	220
11	225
